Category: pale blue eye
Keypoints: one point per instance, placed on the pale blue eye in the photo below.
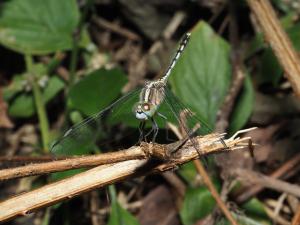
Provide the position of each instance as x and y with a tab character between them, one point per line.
141	115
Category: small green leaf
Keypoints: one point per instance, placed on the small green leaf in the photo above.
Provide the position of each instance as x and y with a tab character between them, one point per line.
198	203
270	70
97	90
294	34
22	106
255	208
201	76
64	174
120	216
54	86
243	108
38	27
17	85
188	171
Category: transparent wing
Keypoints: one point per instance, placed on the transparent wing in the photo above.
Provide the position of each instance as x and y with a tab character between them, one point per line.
83	137
185	118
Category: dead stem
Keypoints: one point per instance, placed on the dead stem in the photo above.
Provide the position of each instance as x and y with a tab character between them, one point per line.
100	22
72	163
266	181
250	191
278	40
214	192
111	173
296	219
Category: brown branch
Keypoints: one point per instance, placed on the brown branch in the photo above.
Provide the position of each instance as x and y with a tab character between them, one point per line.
72	163
278	40
100	22
107	174
296	218
266	181
200	168
207	181
275	217
238	74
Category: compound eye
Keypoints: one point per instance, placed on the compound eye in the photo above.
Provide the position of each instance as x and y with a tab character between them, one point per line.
146	107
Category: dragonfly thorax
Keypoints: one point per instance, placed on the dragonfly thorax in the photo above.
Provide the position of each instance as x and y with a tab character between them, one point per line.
151	97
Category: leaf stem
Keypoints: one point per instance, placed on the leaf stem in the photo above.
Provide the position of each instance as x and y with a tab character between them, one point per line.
76	39
74	59
39	103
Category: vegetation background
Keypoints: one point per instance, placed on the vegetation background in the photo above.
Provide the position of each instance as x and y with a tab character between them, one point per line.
61	61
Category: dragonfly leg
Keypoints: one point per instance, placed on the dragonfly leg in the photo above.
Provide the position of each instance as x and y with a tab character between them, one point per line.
141	129
162	115
154	128
149	132
167	130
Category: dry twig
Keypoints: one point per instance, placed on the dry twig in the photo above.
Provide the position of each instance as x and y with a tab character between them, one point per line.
103	175
100	22
278	40
283	170
296	219
263	180
276	218
72	163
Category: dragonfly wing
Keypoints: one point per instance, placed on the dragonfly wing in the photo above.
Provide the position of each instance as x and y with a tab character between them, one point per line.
189	119
82	136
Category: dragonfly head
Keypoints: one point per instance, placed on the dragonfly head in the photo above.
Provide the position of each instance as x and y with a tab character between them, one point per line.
144	111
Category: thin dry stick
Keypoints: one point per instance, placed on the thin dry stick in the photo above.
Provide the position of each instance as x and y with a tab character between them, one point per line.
214	192
278	40
296	219
201	170
284	169
100	22
266	181
72	163
103	175
237	71
276	218
174	24
227	107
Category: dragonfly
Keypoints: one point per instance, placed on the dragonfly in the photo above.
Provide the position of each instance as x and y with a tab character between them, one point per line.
147	108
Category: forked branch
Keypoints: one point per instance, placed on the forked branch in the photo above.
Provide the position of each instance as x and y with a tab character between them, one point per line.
158	159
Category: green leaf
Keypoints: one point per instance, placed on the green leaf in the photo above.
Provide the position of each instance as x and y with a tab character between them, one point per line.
243	108
255	208
54	86
38	27
64	174
294	34
17	85
23	105
198	203
270	71
119	215
97	90
202	75
188	172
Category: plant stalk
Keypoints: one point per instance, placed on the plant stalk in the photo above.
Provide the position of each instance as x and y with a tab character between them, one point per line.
75	48
39	103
